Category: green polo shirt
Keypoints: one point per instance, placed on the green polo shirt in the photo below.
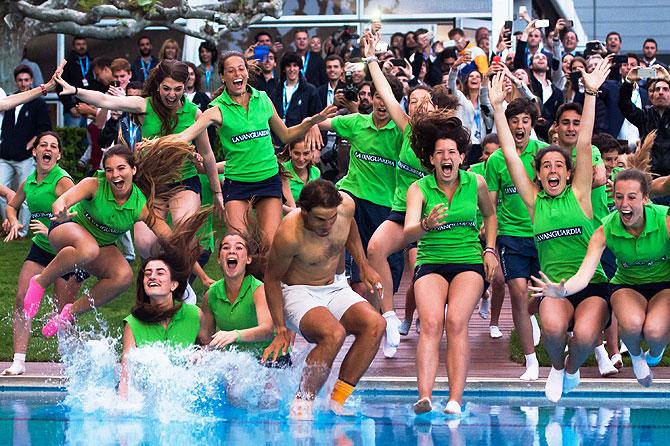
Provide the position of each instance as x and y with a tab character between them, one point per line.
237	315
103	217
245	137
372	157
295	182
151	128
40	197
513	217
182	330
598	194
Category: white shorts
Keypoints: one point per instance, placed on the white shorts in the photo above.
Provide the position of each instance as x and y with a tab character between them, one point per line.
299	299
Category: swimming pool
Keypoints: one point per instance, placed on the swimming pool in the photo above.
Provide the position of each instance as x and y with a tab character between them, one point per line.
382	417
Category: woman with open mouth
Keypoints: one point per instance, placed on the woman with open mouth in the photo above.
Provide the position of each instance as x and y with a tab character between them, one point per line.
163	110
244	117
160	315
236	312
639	235
451	264
562	220
90	217
42	187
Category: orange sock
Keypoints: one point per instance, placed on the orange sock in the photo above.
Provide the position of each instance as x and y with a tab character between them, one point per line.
341	392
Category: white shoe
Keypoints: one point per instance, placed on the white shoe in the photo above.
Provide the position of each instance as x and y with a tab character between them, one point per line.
553	389
392	332
404	327
605	366
536	330
485	307
388	349
617	360
17	368
495	332
532	372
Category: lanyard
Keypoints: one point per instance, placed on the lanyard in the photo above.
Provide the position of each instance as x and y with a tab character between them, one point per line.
132	132
145	68
208	76
84	71
304	65
287	101
478	123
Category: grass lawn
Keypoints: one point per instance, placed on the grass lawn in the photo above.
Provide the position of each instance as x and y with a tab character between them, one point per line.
41	348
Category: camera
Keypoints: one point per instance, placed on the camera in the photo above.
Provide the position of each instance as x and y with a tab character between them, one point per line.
350	90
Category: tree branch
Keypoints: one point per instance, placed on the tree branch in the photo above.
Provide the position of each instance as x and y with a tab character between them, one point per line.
48	14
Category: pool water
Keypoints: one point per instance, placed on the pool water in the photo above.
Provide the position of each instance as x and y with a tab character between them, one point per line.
382	418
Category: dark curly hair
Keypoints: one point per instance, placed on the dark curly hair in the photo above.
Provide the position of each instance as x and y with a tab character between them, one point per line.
522	105
429	127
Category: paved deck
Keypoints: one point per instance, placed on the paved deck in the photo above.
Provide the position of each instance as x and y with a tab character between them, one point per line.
489	359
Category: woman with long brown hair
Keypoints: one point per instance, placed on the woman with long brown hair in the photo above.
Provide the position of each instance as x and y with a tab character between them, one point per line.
163	110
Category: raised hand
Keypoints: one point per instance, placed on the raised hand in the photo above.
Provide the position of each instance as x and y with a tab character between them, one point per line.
51	85
326	113
545	287
593	80
633	75
62	215
67	88
37	227
497	92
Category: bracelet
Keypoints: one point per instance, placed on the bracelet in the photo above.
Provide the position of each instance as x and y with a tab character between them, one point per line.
590	92
371	59
76	91
218	192
424	225
239	338
491	250
44	89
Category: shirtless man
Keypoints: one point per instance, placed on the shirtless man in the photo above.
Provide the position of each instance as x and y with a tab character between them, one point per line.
305	296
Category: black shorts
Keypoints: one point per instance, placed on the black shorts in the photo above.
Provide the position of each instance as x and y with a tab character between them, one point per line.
648	290
592	289
368	217
608	262
399	217
282	362
191	183
239	190
42	257
518	257
448	271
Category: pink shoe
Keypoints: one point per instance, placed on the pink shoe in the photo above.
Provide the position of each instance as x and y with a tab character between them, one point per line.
58	321
32	299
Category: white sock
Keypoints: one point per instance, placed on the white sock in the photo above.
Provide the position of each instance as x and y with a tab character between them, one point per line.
571	381
554	387
601	352
18	366
392	326
532	372
640	368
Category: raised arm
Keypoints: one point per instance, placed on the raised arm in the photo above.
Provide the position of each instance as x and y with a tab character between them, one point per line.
17	99
526	189
576	283
131	104
289	134
368	45
205	150
84	190
415	226
211	116
583	171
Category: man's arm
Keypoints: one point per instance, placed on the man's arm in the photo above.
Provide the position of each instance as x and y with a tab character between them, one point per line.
629	111
354	245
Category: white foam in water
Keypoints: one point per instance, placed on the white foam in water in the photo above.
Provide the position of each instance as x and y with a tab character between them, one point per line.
170	384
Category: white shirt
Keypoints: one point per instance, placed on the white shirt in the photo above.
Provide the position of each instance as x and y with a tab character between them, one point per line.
628	131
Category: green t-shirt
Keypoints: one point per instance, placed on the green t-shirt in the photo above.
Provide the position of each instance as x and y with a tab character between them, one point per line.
151	128
513	217
238	315
598	194
182	330
295	182
643	259
457	239
40	197
372	157
245	137
103	218
408	170
562	234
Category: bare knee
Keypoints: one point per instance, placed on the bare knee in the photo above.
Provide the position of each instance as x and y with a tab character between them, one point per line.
631	324
375	326
655	332
432	326
585	338
455	325
333	336
375	250
86	253
553	327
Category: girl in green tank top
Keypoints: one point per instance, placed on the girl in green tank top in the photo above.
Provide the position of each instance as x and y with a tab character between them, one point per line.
159	315
39	191
235	309
561	215
163	110
639	236
89	217
301	167
441	214
245	117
